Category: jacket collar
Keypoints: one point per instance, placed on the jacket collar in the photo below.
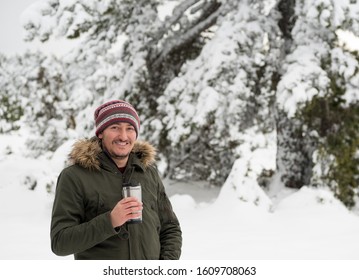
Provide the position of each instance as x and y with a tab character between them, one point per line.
89	154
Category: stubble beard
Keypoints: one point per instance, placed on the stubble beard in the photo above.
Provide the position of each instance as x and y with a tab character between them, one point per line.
119	156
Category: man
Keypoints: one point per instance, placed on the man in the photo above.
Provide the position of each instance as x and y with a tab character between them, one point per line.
90	216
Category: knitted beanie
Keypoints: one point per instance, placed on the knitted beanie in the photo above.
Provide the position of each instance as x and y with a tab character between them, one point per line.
116	111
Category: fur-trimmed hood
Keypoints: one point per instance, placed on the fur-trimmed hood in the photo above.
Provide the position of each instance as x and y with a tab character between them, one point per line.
86	153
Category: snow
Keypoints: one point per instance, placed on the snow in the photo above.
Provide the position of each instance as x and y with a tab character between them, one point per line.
239	221
224	224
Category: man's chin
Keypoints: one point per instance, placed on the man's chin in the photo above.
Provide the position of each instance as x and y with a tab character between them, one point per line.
121	155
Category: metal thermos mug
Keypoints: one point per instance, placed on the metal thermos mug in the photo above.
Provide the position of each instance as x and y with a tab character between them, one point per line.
133	190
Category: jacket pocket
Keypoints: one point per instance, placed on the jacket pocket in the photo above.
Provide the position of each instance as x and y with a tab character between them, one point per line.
107	201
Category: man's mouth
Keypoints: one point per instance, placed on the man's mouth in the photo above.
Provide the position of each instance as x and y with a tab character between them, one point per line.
120	143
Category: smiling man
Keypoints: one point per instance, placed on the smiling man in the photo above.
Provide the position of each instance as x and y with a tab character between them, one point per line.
90	216
117	125
118	140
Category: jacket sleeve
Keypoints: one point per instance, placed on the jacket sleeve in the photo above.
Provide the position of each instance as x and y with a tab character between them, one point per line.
170	234
69	234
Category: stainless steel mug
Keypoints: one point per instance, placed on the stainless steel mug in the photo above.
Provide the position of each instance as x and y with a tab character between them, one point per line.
133	190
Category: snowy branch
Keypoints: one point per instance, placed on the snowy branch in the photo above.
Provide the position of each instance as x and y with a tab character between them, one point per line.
211	11
179	11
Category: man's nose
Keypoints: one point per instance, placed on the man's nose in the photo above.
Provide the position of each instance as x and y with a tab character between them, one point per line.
122	133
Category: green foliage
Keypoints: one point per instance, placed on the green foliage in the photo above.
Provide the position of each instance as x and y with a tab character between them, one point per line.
338	127
10	112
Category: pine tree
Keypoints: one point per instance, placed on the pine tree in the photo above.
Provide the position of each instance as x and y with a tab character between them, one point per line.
315	95
212	102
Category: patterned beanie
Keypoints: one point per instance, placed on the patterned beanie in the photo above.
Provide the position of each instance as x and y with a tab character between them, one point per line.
116	111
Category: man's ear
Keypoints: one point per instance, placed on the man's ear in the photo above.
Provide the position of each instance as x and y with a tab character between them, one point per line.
100	136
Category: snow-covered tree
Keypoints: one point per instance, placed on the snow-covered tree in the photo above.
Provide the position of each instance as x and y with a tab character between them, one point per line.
47	110
264	86
212	102
11	109
316	95
126	50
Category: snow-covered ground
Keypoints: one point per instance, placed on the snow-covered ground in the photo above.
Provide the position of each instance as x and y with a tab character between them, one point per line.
300	225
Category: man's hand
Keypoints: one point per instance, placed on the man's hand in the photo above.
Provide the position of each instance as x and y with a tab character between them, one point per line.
126	209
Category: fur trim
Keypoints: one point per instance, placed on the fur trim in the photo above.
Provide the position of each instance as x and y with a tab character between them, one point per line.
85	153
145	152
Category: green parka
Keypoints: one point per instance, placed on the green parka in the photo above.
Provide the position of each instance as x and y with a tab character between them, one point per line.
88	190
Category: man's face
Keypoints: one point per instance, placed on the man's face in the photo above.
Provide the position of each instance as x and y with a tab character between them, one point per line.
118	139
